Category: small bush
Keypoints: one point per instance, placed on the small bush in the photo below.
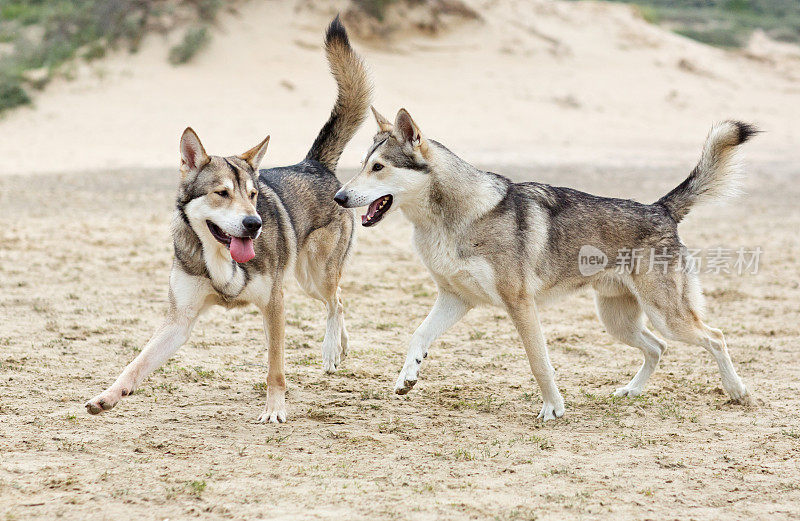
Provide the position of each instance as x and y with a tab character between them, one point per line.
738	6
195	39
720	37
24	12
207	9
724	23
196	488
649	14
12	94
94	51
47	34
374	8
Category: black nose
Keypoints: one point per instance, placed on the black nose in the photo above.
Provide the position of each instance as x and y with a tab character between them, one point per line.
252	223
340	199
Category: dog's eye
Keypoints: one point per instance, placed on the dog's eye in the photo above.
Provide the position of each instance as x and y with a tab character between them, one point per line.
377	167
253	194
223	193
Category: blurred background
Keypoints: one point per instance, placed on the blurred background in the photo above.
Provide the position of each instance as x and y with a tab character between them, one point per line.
99	84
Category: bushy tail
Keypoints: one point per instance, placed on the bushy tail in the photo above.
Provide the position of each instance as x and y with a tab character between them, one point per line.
355	93
718	174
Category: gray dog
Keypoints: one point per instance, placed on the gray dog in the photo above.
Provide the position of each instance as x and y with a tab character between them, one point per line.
237	231
486	240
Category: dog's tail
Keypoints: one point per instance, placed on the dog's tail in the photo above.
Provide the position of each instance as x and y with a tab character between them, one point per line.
355	92
718	174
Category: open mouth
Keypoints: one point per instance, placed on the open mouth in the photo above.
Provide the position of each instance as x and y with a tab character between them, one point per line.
241	248
218	234
376	210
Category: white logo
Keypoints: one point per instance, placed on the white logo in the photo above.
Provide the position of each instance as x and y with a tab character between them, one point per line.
591	260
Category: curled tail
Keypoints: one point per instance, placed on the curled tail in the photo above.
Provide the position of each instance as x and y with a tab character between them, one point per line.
350	109
718	173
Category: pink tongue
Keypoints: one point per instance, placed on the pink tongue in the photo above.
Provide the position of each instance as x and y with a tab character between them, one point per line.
242	249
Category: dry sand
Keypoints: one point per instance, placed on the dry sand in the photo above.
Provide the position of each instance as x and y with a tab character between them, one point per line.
84	262
536	81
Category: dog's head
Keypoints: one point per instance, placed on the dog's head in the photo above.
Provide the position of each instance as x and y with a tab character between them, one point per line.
218	196
394	171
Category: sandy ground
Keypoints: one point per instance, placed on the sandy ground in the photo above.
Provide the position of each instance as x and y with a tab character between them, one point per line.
84	260
553	82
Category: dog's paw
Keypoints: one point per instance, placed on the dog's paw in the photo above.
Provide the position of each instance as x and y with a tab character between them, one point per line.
402	387
630	392
551	411
272	416
275	408
408	377
329	366
740	395
106	400
331	358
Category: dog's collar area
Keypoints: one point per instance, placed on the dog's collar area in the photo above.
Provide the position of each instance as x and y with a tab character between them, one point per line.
376	210
218	234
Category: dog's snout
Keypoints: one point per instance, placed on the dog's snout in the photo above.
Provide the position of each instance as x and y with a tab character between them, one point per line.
341	199
252	223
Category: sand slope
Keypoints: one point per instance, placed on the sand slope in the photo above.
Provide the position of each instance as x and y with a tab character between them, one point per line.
535	82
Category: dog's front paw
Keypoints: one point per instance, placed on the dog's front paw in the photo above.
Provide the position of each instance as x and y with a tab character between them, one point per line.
106	400
630	392
551	411
272	415
739	393
331	358
408	378
329	365
275	408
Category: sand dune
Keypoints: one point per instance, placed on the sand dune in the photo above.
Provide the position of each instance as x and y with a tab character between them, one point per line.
534	82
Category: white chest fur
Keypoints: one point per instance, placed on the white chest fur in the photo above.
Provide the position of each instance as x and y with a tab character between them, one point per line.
225	274
469	276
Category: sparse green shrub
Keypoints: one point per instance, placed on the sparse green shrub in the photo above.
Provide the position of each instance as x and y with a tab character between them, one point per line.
738	6
94	51
649	14
207	9
197	487
724	23
195	39
48	33
374	8
719	37
12	94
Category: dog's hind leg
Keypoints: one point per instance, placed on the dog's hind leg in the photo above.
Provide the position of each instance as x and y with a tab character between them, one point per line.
319	269
334	345
188	298
673	303
620	312
447	310
344	338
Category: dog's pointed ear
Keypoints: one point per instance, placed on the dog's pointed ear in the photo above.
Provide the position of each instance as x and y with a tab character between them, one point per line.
384	125
406	130
256	154
193	155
